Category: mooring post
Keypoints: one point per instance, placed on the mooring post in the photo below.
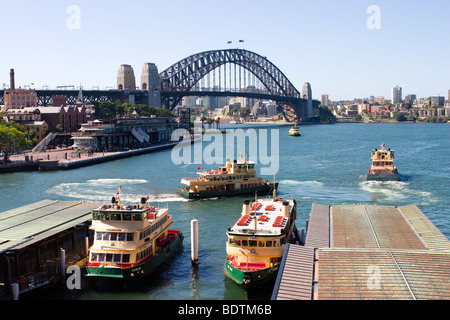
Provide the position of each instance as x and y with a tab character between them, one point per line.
194	242
15	291
63	264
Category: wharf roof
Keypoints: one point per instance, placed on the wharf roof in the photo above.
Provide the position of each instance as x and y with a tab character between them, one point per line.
34	222
366	252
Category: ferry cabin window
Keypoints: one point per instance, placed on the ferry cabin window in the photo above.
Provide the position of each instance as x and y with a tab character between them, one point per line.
252	243
95	215
115	216
126	216
104	216
137	217
114	236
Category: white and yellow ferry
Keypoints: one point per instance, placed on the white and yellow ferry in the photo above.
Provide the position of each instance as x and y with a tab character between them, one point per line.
234	179
382	168
256	242
131	240
294	131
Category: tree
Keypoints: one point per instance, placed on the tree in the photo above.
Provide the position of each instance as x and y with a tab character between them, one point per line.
398	116
11	140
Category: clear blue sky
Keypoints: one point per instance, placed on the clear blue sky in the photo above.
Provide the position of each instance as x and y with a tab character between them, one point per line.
325	42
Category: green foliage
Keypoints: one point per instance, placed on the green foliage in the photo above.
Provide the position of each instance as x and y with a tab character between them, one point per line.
106	110
11	139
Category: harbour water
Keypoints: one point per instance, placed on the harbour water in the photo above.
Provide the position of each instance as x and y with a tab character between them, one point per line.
326	165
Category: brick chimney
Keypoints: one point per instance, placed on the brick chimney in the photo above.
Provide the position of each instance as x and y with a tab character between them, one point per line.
12	81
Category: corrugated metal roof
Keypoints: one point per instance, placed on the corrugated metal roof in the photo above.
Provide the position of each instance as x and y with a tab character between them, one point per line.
39	220
374	252
318	233
386	274
294	281
430	235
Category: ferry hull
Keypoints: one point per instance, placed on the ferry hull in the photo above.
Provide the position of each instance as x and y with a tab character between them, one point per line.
227	193
136	272
383	177
250	279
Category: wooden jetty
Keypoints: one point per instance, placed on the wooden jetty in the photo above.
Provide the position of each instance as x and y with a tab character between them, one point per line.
366	252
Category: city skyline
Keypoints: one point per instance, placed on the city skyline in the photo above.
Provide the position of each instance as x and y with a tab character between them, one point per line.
339	49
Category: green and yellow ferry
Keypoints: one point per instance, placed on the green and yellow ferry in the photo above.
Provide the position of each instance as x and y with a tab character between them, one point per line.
234	179
382	168
256	242
131	240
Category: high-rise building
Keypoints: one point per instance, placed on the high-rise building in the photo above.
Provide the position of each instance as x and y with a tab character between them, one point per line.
396	94
307	92
325	100
409	98
125	78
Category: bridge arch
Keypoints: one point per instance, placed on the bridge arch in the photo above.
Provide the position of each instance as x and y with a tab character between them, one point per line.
182	76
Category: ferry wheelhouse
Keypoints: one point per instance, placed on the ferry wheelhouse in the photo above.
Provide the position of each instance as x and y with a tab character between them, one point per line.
131	240
234	179
256	242
382	168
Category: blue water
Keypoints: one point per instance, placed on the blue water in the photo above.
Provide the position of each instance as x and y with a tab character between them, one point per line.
326	165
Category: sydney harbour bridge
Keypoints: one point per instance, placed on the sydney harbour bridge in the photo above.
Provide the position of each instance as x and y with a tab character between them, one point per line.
215	73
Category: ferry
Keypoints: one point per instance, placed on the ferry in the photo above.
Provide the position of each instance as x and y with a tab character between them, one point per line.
131	240
235	179
294	131
256	242
382	168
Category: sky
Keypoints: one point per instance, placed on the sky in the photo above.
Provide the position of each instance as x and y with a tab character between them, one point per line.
344	48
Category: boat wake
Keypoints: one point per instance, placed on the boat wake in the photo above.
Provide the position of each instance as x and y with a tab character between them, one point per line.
394	191
104	189
318	190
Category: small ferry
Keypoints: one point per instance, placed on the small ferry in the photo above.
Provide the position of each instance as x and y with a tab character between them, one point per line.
294	131
131	240
256	242
382	168
235	179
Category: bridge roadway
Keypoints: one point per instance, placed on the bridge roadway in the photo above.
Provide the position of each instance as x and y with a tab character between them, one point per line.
45	97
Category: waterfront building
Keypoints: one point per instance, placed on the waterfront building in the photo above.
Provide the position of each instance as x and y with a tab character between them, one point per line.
32	239
124	133
69	117
437	101
364	106
396	94
30	118
20	98
125	78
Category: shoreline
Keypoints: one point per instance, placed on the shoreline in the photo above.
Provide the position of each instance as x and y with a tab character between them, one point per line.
56	159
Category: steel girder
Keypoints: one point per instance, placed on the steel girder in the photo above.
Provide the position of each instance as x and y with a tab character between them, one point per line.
183	75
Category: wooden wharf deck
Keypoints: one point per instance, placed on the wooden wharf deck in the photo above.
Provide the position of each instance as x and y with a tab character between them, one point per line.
366	252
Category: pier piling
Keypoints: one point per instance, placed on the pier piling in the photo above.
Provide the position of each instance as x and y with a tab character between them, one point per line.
194	242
